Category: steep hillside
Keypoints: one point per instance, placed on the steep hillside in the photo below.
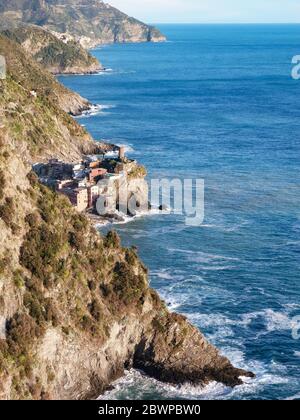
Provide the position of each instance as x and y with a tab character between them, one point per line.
34	78
91	22
75	307
57	56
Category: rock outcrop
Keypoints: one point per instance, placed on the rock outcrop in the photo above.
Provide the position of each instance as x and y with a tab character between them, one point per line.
90	22
55	55
75	307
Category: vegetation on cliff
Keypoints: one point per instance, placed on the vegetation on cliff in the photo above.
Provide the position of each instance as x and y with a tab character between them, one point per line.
55	55
32	105
92	22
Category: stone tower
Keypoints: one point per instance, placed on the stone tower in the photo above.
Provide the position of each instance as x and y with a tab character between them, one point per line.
121	152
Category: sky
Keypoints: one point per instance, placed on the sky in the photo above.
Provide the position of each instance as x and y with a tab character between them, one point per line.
211	11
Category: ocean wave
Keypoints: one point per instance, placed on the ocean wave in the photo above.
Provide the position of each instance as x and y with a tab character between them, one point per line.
128	148
164	274
206	261
206	257
293	397
103	72
95	110
128	219
274	321
136	385
215	268
110	72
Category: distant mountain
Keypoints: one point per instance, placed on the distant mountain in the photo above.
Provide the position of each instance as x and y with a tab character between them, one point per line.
91	22
56	55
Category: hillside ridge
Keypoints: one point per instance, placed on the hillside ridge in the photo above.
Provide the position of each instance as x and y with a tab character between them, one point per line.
89	22
58	56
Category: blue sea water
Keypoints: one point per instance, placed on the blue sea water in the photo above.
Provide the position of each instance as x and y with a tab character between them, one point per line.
215	102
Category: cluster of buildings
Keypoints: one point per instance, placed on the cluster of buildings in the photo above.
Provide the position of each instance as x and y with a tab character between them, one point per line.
84	182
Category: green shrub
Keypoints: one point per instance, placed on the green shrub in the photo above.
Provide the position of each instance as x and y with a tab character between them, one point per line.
138	171
76	241
112	240
80	222
40	252
158	325
131	256
106	290
33	178
18	279
35	307
7	211
95	310
88	325
92	285
126	284
4	263
50	313
32	219
22	330
2	184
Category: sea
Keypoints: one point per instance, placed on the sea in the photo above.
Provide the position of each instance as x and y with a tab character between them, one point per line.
217	103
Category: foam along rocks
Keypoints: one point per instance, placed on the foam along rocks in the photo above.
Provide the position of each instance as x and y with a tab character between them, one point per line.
2	67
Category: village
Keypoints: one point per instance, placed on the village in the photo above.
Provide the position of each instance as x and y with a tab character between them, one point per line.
94	177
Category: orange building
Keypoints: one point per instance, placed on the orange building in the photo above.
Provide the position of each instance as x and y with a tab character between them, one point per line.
97	172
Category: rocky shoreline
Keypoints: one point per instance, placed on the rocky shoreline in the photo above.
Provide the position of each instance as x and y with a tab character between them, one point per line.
76	307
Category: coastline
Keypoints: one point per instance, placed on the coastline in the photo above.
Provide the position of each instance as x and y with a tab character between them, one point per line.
228	375
103	315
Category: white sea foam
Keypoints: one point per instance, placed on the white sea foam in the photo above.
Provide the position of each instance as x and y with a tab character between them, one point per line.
294	397
128	147
215	268
203	256
128	219
136	385
207	261
164	274
112	153
95	110
103	72
274	321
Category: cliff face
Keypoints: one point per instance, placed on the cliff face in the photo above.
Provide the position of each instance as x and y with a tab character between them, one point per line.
91	22
75	307
57	56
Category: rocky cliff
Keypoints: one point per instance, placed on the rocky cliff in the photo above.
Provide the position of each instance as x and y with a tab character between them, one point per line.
56	55
75	307
91	22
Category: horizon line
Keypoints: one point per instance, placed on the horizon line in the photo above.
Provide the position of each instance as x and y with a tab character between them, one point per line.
224	23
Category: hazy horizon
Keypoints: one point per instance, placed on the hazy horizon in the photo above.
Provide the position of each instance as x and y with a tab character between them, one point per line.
224	23
212	11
